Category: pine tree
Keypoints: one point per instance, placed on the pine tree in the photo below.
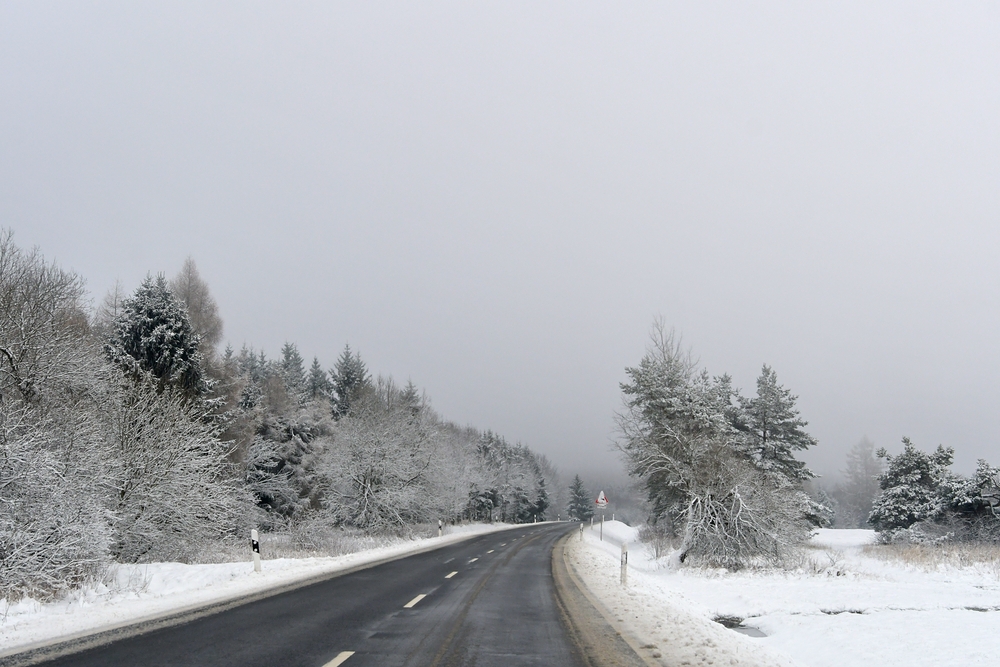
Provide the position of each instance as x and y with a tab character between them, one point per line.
580	506
154	335
350	380
774	430
912	486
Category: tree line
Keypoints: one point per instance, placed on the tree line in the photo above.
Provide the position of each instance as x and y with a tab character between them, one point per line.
126	436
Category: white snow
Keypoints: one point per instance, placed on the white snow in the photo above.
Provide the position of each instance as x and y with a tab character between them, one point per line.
136	592
840	607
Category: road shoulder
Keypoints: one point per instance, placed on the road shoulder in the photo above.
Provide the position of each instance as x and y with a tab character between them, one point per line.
602	641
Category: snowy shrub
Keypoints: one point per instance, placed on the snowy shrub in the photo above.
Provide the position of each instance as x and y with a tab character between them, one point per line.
373	474
173	488
53	532
52	522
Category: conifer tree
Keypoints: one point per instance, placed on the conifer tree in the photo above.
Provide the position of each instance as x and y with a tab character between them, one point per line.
912	487
318	384
154	335
292	370
350	379
774	430
580	507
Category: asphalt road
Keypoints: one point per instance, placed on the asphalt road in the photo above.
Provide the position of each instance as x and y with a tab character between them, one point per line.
490	600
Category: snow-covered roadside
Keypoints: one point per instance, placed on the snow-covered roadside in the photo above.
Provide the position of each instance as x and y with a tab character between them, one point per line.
675	632
139	592
840	608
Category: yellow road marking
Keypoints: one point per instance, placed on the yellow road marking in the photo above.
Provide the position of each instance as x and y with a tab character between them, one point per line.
449	576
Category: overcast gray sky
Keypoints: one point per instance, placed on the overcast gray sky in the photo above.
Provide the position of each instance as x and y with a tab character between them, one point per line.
496	199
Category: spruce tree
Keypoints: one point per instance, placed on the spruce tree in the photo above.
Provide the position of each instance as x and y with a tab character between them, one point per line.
292	370
580	507
349	378
318	384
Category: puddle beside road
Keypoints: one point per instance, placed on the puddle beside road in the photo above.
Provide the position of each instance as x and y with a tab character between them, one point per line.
736	623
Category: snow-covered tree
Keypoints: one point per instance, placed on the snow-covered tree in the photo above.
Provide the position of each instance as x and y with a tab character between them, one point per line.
774	431
580	507
174	489
318	384
911	488
154	335
52	520
678	436
293	371
350	380
373	475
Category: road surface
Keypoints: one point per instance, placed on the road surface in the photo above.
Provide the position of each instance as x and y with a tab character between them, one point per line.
491	600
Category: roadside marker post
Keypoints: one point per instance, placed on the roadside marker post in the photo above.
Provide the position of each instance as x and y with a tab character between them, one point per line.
602	528
255	548
440	528
624	564
581	531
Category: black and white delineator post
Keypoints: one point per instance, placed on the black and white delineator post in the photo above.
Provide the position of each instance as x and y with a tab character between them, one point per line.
255	547
440	528
581	531
624	563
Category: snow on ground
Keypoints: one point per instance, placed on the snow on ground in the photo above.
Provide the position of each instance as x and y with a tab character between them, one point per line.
840	607
136	592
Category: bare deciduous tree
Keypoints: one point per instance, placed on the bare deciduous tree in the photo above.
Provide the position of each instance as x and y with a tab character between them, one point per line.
203	311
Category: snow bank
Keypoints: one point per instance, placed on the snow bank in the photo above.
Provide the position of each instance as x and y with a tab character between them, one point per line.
133	593
840	607
663	621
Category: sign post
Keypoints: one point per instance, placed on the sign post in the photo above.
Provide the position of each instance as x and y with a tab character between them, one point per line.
602	502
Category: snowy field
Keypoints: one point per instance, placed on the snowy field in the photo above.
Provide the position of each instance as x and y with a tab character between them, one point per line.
840	608
133	593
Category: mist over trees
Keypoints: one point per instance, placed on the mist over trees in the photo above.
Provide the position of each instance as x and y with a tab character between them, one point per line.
125	436
719	468
853	496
